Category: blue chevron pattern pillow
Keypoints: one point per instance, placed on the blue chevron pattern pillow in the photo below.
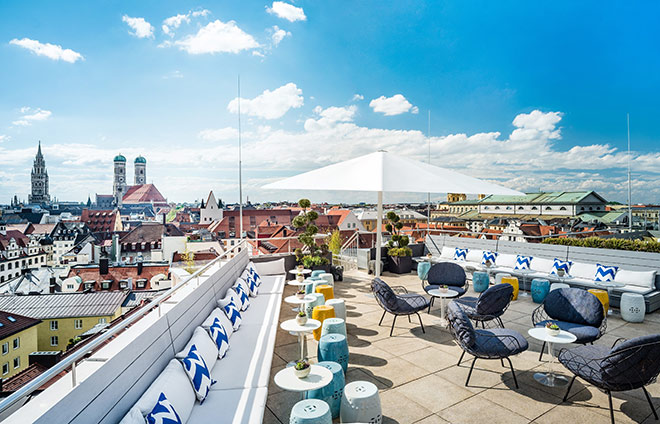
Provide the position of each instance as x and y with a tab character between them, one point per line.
233	314
198	373
488	256
559	264
242	294
219	335
251	281
605	273
460	254
523	262
253	272
163	412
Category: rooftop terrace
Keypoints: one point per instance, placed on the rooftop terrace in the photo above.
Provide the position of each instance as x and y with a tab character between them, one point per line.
420	382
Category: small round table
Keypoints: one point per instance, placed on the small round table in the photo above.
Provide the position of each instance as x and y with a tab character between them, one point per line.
524	273
318	377
297	283
301	331
609	285
442	295
295	301
551	379
303	271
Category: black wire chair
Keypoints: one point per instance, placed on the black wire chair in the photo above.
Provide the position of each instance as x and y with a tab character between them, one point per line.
448	274
491	343
633	364
574	310
490	305
398	304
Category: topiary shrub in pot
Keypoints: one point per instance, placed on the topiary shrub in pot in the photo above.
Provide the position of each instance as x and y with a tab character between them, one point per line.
311	256
398	251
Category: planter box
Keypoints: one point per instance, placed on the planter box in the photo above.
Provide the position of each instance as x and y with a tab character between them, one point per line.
400	264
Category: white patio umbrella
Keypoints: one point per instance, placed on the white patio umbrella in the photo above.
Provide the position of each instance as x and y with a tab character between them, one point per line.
382	171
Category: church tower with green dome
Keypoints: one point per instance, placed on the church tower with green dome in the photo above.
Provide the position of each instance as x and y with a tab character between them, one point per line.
119	184
140	170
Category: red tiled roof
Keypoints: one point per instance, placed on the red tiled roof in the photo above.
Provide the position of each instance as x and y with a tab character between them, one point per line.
117	273
144	193
342	213
100	220
11	323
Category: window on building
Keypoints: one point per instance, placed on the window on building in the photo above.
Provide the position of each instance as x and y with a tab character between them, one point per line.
17	362
5	368
17	343
105	285
9	264
54	325
54	341
69	286
141	283
77	324
103	320
563	208
548	208
2	267
5	348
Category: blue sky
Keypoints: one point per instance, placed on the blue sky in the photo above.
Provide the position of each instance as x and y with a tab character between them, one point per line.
528	95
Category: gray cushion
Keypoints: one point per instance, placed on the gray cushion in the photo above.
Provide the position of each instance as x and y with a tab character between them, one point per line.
574	305
499	342
461	325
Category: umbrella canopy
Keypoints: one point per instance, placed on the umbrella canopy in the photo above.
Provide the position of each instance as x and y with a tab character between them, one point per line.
382	171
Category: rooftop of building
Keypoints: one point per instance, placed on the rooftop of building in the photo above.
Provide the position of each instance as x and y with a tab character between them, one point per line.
63	305
12	323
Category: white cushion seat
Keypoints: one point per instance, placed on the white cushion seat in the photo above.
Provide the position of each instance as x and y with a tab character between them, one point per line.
542	265
271	284
261	309
239	406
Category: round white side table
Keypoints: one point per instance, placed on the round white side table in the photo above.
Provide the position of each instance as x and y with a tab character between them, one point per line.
549	378
442	295
301	331
318	377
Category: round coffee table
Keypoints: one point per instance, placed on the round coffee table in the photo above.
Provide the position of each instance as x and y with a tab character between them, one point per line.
301	331
442	295
318	377
524	273
551	379
609	285
295	301
297	271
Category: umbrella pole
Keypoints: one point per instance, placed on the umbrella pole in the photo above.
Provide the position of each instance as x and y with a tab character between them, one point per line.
379	233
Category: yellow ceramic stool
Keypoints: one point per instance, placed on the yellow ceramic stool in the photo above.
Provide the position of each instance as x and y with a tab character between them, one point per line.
603	297
514	282
326	290
321	313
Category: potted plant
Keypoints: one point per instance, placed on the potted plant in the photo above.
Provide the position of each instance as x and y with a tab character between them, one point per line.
300	268
300	294
311	255
302	368
429	256
300	277
560	272
444	288
398	250
552	329
488	263
301	318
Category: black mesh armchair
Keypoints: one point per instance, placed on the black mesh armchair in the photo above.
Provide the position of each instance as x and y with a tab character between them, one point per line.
398	304
448	274
574	310
495	343
490	305
629	365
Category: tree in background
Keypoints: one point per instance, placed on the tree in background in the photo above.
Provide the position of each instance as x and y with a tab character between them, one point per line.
189	259
398	244
334	244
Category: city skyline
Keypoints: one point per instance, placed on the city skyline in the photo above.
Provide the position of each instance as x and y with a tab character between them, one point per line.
524	105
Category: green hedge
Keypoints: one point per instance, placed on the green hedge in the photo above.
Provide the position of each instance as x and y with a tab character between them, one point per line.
610	243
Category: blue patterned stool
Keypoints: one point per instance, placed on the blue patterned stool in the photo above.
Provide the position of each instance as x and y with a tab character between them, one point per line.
540	289
329	279
340	307
423	270
332	393
317	273
632	307
309	287
480	281
333	326
318	301
310	411
333	347
361	403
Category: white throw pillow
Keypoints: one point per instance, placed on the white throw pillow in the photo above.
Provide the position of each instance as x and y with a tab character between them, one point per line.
447	252
175	384
644	279
542	265
243	294
474	255
506	260
205	346
271	267
220	314
252	281
583	270
134	416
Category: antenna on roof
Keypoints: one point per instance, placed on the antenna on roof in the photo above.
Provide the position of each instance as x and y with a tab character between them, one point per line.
629	182
428	206
240	173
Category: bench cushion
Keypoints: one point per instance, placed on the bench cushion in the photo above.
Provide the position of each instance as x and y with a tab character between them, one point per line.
240	406
271	284
583	270
644	279
542	265
275	267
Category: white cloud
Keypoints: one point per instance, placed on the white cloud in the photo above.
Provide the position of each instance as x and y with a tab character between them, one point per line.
536	124
390	106
31	115
279	35
329	117
218	37
220	134
174	22
198	13
173	75
270	104
287	11
140	27
51	51
3	137
358	97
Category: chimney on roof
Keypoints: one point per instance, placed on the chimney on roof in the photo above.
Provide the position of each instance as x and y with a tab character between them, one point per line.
103	266
52	285
140	266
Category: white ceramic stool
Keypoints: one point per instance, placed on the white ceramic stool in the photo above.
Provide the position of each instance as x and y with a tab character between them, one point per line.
632	307
499	276
360	403
555	286
329	279
340	307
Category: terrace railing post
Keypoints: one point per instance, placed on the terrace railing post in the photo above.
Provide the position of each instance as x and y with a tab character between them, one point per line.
74	383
